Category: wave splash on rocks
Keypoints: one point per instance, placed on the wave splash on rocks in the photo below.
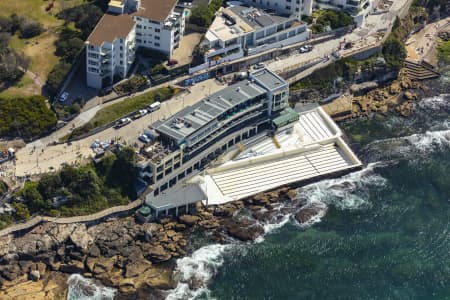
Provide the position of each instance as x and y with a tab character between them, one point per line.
80	288
193	273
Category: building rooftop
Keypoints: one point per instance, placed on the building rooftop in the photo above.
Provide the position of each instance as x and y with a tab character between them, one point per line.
234	21
192	118
111	27
156	10
268	79
176	197
257	18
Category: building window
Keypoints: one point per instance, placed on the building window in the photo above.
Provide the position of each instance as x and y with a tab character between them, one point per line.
288	7
157	37
91	47
296	9
138	34
121	48
145	27
121	62
93	70
157	30
93	55
139	40
138	26
139	19
92	62
156	44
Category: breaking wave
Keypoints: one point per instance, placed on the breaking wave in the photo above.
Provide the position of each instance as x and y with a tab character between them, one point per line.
194	273
435	103
81	288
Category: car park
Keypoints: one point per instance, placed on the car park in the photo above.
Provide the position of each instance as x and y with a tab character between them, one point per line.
64	96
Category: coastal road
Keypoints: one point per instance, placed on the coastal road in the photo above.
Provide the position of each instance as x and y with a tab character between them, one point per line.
38	157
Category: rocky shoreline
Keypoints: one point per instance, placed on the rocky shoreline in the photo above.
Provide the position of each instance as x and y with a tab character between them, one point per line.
136	259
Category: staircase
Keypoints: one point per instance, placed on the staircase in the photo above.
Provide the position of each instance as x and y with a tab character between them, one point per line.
420	71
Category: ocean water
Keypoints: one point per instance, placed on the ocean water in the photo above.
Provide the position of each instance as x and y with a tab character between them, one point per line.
382	232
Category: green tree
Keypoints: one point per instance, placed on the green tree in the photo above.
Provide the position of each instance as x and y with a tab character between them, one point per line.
31	196
123	172
49	185
21	211
56	76
201	15
394	52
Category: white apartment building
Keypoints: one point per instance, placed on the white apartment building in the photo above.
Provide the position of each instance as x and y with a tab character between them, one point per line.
110	48
238	31
284	7
359	9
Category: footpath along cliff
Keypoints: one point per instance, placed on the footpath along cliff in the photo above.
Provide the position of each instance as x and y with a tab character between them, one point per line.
134	258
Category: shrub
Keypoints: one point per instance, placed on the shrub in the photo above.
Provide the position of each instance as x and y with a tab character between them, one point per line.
21	211
203	15
394	52
56	76
132	85
29	29
25	117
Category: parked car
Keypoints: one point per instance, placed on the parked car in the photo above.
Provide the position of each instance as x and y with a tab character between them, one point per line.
144	138
63	97
306	48
259	66
172	62
154	106
122	122
140	113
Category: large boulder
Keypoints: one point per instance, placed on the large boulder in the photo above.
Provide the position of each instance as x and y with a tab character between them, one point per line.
81	238
243	229
189	220
136	268
310	211
157	253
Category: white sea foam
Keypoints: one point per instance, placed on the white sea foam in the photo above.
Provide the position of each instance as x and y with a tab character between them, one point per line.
81	288
436	102
346	192
429	140
194	272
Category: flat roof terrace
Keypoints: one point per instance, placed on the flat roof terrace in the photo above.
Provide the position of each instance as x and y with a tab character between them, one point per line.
192	118
311	149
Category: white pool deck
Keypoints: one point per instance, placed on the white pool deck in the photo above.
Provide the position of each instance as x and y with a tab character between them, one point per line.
311	149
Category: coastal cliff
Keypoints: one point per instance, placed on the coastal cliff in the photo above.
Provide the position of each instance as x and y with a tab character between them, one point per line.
126	255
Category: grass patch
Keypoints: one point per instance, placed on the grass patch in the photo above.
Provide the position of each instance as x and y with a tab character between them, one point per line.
40	49
24	87
118	110
444	51
121	109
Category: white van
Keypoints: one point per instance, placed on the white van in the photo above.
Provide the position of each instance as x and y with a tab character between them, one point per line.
154	106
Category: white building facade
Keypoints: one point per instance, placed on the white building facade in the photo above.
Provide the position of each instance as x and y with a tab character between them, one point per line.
239	31
129	24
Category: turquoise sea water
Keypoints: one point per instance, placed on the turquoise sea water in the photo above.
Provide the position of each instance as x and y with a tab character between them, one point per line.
385	235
